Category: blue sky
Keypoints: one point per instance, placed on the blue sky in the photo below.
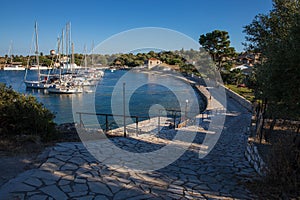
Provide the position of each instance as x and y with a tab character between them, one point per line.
98	20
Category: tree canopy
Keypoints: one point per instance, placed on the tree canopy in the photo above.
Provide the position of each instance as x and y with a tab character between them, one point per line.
217	43
276	36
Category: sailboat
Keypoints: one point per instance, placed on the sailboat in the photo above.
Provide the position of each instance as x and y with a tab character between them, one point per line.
37	84
12	65
66	83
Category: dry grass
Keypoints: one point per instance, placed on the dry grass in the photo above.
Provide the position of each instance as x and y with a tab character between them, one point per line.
20	145
281	152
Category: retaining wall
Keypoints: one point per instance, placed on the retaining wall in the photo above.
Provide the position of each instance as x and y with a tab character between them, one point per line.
255	159
241	100
251	152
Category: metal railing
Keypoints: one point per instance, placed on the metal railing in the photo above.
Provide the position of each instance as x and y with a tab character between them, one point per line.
81	124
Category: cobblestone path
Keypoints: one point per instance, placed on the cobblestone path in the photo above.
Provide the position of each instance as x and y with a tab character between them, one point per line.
70	172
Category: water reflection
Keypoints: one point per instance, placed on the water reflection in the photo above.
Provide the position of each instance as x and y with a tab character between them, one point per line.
139	102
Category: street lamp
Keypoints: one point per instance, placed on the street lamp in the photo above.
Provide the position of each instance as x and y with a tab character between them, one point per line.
186	106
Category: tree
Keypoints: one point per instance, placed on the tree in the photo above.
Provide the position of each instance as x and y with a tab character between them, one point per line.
217	44
276	36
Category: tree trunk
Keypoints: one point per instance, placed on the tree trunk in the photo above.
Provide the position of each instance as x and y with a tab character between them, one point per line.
272	125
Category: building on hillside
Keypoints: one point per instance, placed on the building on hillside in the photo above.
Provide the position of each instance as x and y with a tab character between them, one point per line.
167	67
152	62
247	58
245	69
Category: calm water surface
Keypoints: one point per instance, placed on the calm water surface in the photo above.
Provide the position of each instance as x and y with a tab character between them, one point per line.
141	100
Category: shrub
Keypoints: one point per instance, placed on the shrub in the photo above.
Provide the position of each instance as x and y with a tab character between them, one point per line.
24	115
284	165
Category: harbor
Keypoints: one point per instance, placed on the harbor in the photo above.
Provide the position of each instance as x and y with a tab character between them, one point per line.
68	170
61	105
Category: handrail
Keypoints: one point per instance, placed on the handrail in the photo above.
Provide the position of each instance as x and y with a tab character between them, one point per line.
110	115
105	114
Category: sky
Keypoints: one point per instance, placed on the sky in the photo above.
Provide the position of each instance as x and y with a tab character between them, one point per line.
97	20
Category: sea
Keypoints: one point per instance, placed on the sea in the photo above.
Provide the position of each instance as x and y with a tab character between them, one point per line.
142	94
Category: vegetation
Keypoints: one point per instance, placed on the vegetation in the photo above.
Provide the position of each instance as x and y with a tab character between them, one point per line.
23	115
132	60
276	36
233	77
217	44
243	91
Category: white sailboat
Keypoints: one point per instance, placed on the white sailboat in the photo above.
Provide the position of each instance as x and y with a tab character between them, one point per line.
65	88
37	84
66	83
12	65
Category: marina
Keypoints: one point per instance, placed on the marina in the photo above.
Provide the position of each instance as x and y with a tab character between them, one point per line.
140	101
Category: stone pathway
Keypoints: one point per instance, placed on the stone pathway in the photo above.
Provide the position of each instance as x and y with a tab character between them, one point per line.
70	172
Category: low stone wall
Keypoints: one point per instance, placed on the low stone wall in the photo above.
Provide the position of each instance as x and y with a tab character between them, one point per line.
254	159
204	93
251	152
241	100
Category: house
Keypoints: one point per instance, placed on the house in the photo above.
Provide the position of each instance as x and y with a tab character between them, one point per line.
152	62
167	67
245	69
248	58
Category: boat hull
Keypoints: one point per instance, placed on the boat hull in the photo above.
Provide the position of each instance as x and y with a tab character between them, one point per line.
59	89
36	85
64	91
13	68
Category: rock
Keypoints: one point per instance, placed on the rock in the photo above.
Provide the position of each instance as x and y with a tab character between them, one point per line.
99	188
54	192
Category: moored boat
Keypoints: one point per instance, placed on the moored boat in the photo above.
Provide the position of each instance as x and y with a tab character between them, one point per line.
14	67
65	88
36	84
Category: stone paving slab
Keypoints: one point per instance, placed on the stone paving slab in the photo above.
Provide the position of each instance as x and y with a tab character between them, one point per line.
71	172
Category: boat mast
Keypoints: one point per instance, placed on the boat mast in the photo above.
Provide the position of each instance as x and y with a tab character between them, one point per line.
93	54
37	50
71	53
72	58
67	45
8	55
62	54
85	59
29	56
10	51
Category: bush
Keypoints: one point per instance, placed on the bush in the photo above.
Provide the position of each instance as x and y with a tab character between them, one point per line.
24	115
284	165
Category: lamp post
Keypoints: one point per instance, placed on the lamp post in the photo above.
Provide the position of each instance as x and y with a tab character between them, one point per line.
186	106
124	111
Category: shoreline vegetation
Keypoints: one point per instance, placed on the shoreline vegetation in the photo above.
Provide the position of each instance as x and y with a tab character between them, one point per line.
17	130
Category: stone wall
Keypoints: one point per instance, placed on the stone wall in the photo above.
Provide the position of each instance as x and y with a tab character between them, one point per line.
241	100
251	152
255	159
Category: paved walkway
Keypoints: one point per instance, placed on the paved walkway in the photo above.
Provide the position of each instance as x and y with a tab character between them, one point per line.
70	172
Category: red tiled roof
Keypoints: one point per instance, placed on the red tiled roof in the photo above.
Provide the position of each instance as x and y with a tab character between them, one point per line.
153	59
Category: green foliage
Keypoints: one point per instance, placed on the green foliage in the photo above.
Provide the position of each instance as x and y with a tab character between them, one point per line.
217	43
23	115
233	77
276	36
139	59
243	91
44	60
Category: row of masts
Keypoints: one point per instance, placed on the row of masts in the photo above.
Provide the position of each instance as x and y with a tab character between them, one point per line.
68	80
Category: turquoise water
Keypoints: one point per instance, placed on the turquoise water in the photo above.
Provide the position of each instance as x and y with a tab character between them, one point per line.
142	98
